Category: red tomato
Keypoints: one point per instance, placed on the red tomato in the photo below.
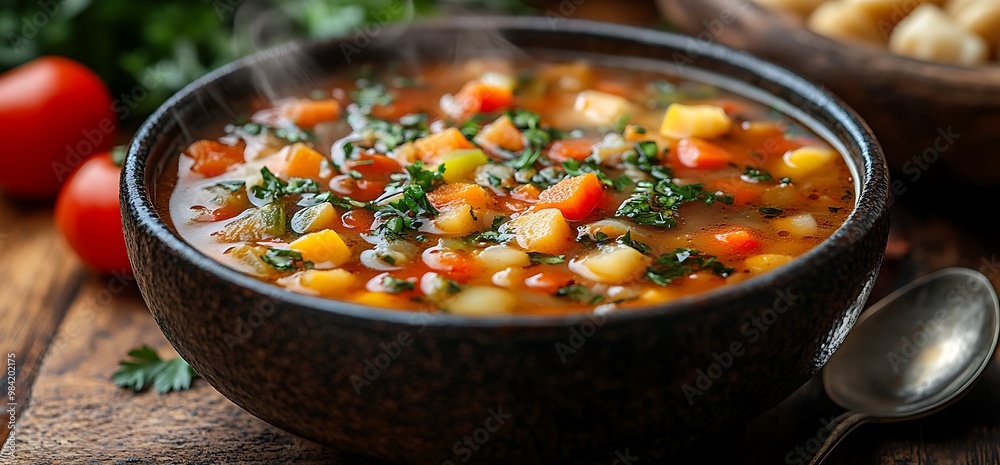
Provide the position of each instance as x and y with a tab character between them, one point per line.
738	241
54	113
88	216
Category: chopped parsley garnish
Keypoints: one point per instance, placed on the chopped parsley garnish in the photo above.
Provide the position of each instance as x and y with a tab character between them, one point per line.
656	203
228	186
493	234
371	95
771	211
683	262
627	240
578	168
538	258
406	213
580	294
424	178
274	187
285	259
494	180
530	125
526	159
343	203
145	368
396	285
387	135
755	175
621	123
646	157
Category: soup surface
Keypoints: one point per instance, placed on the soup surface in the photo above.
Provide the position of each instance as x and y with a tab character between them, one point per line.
493	187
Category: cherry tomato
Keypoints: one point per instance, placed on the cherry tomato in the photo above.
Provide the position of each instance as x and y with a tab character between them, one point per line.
54	113
88	216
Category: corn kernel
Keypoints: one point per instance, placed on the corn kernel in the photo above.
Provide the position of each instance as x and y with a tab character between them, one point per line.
805	160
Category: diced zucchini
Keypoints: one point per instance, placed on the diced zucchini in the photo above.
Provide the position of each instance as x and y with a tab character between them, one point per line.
248	260
257	224
701	121
314	218
461	164
324	247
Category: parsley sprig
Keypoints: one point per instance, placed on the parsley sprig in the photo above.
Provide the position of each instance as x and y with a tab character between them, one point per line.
656	203
285	259
580	294
273	187
145	368
683	262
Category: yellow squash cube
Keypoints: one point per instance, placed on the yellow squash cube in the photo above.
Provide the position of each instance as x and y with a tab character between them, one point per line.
322	248
701	121
459	165
803	161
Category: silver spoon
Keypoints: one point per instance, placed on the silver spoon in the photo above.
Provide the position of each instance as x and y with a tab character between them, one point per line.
913	352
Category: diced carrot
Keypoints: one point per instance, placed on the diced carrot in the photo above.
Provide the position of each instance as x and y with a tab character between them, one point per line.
308	113
742	192
431	147
212	158
502	133
613	87
549	281
482	97
571	149
738	241
701	154
363	189
526	192
575	197
395	110
470	194
301	161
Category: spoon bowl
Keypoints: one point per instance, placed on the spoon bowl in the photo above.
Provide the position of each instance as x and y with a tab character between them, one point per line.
918	348
913	352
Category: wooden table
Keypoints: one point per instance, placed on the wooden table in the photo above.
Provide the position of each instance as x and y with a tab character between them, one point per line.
68	327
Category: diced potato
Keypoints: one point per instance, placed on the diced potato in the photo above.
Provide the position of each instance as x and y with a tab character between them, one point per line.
887	13
496	176
481	301
568	77
802	8
381	300
766	262
803	161
842	20
701	121
601	108
498	257
404	154
544	231
247	258
328	283
301	162
322	248
799	225
613	265
501	133
430	148
458	219
314	218
257	224
635	133
928	34
459	165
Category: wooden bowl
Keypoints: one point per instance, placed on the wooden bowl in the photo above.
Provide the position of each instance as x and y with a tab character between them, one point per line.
408	387
935	121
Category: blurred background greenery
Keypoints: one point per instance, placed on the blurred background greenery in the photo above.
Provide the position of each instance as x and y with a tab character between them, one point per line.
182	39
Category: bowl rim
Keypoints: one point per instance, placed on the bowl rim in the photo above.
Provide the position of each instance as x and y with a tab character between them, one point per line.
873	192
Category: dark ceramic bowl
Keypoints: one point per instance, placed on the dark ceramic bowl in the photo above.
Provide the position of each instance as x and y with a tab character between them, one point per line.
414	388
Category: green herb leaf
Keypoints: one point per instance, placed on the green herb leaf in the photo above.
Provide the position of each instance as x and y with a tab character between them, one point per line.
580	294
274	187
771	210
404	214
755	175
371	95
290	132
145	368
396	285
627	240
656	203
285	259
343	203
683	262
538	258
228	186
493	234
620	123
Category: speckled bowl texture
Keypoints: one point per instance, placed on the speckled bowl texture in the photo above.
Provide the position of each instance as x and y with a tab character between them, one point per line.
382	385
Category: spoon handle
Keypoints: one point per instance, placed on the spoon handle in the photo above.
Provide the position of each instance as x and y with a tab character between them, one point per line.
840	426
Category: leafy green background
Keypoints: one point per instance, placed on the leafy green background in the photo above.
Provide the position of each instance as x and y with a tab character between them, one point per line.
183	39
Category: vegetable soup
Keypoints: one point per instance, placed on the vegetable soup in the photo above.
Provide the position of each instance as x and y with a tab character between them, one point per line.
497	187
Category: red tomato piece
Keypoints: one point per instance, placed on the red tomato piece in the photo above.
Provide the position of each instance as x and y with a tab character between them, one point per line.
212	158
738	241
701	154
